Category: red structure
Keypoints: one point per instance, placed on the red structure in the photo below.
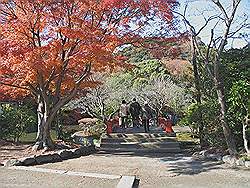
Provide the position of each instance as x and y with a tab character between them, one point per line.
109	127
166	124
112	123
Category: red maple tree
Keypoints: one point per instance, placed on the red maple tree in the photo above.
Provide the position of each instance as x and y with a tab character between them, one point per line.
49	48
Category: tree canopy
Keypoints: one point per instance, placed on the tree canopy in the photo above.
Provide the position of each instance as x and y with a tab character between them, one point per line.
49	48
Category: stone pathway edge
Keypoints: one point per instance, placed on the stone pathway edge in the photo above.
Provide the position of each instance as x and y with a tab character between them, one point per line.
125	181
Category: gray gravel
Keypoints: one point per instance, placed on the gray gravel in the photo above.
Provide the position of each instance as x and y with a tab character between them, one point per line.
175	170
27	179
156	171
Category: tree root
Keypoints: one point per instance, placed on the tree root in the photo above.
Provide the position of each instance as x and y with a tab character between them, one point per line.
43	145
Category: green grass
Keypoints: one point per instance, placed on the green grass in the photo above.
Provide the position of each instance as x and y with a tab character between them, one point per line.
186	137
245	157
31	137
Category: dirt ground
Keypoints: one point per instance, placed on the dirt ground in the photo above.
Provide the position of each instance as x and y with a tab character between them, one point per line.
10	150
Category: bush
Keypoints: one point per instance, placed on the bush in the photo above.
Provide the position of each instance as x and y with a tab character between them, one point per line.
238	102
16	120
212	130
94	129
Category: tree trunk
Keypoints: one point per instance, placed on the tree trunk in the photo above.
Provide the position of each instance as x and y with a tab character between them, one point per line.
43	138
221	99
157	116
102	109
39	119
245	139
198	92
198	95
58	126
47	109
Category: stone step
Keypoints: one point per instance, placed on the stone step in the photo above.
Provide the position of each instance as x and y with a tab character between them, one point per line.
139	142
141	145
122	140
137	135
135	150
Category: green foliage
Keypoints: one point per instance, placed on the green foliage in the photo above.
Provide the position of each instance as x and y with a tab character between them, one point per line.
15	121
140	75
93	129
146	70
31	137
135	55
212	131
239	106
186	137
148	81
235	70
239	98
245	157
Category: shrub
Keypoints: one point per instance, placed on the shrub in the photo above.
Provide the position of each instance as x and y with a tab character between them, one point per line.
212	130
16	120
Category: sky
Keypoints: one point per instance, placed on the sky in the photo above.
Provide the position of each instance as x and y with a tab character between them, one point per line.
196	7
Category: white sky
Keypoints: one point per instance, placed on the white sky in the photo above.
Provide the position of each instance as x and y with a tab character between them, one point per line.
195	8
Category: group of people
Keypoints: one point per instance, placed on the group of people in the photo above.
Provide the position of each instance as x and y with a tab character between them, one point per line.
137	113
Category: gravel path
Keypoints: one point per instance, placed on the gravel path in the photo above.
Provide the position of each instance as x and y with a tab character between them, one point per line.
159	171
28	179
156	171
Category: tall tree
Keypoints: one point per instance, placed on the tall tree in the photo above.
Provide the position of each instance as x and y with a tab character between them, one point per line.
211	54
48	48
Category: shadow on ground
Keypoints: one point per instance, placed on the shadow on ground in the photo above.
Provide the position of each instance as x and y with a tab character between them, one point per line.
181	165
177	163
136	183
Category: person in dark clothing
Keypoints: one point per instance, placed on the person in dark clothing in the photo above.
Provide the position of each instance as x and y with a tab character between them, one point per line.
147	114
135	111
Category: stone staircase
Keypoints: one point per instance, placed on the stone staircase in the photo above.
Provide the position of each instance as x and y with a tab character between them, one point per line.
139	142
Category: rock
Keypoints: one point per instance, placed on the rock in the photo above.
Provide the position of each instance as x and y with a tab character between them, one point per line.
247	164
229	159
12	162
195	154
56	157
26	161
77	152
204	153
65	154
92	148
83	151
214	157
86	150
240	162
41	159
88	120
81	137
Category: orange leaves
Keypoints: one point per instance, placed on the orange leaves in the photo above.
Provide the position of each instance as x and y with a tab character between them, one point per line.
179	68
73	33
90	84
59	38
4	70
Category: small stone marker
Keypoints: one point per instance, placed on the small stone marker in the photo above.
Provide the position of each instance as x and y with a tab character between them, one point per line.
126	182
